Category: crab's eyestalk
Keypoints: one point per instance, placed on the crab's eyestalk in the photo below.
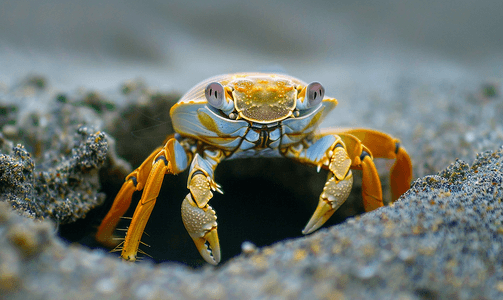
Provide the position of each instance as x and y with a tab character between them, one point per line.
310	96
216	96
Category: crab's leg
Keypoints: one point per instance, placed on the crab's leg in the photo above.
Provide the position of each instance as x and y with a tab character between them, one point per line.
134	182
382	145
328	152
198	217
169	159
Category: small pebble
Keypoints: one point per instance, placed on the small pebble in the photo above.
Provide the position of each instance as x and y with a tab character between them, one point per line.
248	247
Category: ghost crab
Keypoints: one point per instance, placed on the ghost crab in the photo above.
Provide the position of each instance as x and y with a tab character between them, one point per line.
253	114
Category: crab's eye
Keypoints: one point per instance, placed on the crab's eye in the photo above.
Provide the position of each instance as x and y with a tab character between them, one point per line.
314	94
215	95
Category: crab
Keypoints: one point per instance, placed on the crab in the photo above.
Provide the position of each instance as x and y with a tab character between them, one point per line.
253	115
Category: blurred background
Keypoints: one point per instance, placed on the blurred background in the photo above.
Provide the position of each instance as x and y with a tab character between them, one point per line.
174	44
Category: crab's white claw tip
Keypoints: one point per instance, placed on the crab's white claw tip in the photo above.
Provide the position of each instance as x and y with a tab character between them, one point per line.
322	213
209	247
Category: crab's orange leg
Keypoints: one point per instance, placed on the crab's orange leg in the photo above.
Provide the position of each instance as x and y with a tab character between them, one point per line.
169	159
371	184
380	145
134	182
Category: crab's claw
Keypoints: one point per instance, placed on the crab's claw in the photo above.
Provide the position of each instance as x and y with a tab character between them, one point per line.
201	224
334	194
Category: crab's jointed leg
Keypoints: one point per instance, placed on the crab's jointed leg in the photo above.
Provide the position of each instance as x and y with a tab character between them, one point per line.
169	159
134	182
198	217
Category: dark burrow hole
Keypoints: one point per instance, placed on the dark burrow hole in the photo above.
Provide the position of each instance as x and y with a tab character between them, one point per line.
265	201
